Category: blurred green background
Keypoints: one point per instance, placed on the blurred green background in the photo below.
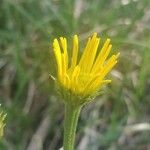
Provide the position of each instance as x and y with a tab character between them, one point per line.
119	119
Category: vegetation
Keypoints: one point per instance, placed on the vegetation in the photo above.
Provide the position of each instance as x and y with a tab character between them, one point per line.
119	118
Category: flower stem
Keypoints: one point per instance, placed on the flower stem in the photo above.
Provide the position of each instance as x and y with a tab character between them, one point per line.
70	124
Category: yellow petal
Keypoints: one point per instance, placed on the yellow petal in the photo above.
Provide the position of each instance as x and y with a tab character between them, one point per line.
74	77
108	66
64	47
86	52
91	55
63	78
57	53
102	56
96	85
74	52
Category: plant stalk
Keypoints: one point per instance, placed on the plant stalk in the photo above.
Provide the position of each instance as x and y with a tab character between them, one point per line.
70	125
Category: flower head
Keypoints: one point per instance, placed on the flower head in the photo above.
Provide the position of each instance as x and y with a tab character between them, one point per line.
84	76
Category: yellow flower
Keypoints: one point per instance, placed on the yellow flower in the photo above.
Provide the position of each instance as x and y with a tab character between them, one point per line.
2	124
86	75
